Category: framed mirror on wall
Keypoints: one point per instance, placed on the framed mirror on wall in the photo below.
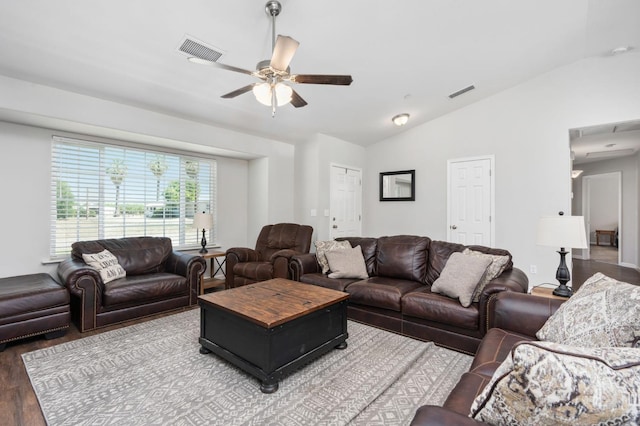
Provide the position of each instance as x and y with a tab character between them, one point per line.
398	186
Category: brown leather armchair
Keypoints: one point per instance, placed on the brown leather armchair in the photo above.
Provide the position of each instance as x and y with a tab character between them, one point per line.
275	246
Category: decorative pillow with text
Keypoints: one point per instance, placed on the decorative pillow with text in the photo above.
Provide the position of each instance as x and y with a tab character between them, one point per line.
106	264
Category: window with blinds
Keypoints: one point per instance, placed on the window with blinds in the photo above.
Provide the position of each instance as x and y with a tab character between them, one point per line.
110	191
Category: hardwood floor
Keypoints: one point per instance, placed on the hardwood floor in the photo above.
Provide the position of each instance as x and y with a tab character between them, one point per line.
584	269
18	403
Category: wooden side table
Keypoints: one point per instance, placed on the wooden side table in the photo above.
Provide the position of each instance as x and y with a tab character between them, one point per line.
546	292
214	268
610	234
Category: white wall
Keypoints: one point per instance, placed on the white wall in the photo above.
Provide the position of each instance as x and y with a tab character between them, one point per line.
26	150
313	160
526	128
628	167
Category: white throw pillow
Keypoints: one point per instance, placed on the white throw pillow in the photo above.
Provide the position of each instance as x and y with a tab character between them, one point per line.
347	263
603	312
460	277
324	246
106	264
545	383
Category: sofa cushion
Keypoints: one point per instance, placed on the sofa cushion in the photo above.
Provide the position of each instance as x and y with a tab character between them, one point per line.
258	271
369	248
324	246
319	279
347	263
603	312
282	236
496	267
380	292
550	383
403	257
106	264
132	289
423	303
460	277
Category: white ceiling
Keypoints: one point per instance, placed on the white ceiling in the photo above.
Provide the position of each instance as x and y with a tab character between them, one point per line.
404	56
604	142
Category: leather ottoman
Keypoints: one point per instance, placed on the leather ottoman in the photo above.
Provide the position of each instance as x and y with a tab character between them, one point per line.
31	305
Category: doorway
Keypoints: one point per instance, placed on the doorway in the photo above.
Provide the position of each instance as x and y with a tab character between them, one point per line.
602	207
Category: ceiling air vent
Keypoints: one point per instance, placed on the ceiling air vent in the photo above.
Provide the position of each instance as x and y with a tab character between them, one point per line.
194	48
461	91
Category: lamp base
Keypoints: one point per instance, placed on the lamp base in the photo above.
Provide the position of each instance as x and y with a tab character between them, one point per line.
203	242
562	291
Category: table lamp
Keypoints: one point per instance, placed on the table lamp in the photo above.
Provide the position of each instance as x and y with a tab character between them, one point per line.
203	221
564	232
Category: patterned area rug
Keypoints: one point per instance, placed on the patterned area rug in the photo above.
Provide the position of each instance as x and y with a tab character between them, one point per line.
153	373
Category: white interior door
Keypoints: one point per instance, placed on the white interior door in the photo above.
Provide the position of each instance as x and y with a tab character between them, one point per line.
471	201
346	202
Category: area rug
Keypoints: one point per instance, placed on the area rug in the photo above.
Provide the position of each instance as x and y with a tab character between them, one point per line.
153	373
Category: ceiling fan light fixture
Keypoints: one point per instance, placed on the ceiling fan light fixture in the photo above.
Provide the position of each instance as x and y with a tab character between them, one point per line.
262	92
283	94
400	119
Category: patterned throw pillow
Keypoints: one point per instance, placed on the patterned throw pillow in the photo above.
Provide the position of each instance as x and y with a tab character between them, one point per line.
603	312
545	383
497	266
347	263
324	246
106	264
460	277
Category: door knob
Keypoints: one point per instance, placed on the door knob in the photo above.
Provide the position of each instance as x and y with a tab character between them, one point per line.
453	227
335	226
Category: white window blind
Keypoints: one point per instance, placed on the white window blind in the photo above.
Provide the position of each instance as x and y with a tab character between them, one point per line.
111	191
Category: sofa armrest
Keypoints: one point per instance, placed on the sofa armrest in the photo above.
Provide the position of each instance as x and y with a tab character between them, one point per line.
236	255
513	280
432	415
303	264
85	287
520	312
280	261
190	266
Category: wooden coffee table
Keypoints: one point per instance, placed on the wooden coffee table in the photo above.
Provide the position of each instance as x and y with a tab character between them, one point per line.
272	328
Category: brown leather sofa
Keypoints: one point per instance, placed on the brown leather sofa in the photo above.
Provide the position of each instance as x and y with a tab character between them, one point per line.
275	246
158	279
397	295
513	317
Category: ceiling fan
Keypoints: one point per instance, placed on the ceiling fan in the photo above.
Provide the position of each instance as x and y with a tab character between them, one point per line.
274	72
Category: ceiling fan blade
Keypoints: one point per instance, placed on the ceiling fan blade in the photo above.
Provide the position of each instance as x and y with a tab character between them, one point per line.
297	101
226	67
283	52
340	80
239	91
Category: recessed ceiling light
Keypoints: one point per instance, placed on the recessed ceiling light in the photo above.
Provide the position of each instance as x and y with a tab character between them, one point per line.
621	49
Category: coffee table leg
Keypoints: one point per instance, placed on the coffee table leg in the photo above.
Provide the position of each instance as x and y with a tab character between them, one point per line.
204	350
267	387
342	345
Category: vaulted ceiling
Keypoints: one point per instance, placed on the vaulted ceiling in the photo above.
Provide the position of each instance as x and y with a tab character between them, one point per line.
404	56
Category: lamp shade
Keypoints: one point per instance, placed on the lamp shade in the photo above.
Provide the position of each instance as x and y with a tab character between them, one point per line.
203	220
562	231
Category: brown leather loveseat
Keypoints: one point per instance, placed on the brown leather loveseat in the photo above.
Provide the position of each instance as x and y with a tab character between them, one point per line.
397	294
157	279
513	317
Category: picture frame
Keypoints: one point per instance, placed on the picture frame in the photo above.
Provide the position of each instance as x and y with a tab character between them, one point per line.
398	186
